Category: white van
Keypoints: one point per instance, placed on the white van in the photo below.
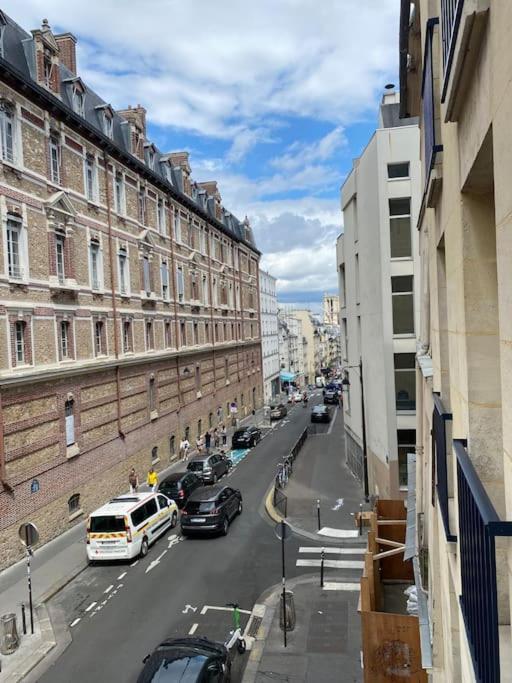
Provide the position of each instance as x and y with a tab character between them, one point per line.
127	525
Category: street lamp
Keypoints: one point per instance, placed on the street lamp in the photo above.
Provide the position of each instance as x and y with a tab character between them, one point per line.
346	382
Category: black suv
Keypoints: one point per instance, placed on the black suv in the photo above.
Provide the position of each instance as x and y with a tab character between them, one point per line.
321	414
194	660
210	468
211	509
245	438
331	396
179	486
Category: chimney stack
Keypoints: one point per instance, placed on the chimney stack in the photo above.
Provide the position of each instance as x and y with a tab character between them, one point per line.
136	116
67	50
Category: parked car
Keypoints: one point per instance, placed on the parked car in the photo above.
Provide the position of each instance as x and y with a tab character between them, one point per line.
331	396
321	414
297	397
211	509
210	468
189	659
245	438
278	411
179	486
126	526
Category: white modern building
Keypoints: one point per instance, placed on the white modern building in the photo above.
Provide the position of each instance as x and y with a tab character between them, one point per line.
269	336
377	259
331	309
292	348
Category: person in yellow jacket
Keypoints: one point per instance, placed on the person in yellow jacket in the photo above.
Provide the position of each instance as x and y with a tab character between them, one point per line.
152	479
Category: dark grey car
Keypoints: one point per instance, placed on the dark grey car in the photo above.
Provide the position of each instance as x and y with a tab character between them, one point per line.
210	468
211	509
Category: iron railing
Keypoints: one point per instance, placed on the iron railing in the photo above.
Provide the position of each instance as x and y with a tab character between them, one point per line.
440	481
431	147
479	525
451	11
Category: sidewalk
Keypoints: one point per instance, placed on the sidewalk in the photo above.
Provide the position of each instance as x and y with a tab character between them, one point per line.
320	474
53	566
324	646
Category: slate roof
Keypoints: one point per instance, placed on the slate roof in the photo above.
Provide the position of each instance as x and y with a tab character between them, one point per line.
18	50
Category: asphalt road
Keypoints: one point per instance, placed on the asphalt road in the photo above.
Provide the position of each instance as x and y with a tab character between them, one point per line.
136	606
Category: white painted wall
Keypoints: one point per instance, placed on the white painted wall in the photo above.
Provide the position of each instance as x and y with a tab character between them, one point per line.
269	333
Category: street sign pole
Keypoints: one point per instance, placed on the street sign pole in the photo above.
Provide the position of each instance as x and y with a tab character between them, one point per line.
29	536
29	579
285	621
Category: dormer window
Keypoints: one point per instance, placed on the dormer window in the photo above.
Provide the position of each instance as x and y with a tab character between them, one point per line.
78	99
2	32
150	156
108	123
47	68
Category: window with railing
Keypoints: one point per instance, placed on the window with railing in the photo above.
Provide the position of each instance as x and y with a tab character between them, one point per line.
431	145
451	11
479	525
441	473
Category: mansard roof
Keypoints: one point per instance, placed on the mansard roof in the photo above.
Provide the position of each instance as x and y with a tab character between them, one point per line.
18	62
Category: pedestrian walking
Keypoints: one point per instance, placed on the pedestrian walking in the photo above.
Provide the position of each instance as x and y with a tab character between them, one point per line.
207	441
152	479
224	434
199	444
216	438
133	480
184	446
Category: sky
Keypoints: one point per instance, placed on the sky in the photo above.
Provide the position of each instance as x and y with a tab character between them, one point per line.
272	99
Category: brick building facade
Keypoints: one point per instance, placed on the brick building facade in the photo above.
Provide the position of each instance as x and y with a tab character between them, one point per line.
128	295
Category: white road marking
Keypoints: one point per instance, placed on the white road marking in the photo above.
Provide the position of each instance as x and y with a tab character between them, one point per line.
74	623
121	576
120	586
338	504
154	563
332	564
107	590
193	629
88	609
103	603
339	586
172	537
223	609
187	608
134	563
338	533
333	420
334	551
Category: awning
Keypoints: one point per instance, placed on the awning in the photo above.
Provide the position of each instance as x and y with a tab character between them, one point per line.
287	376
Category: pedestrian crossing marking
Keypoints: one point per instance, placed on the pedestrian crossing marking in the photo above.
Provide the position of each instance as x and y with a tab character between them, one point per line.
332	564
237	455
340	586
333	551
338	533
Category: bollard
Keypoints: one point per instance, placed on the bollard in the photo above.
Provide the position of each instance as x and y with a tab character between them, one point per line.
287	617
360	519
9	640
322	556
318	513
23	619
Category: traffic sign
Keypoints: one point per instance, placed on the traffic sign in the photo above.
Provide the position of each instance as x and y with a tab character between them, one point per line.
29	535
282	531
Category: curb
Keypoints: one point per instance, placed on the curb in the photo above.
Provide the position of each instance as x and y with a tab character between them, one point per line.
49	641
61	583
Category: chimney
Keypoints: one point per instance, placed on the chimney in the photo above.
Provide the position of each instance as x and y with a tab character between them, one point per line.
136	116
67	50
180	159
211	188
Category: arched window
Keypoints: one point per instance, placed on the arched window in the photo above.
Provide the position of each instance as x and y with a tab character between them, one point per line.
74	503
154	453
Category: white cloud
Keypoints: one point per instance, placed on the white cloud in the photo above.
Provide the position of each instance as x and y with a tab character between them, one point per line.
299	155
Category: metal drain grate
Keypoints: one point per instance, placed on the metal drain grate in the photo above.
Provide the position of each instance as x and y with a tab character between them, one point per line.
253	626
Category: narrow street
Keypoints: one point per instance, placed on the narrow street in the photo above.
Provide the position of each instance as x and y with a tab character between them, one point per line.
118	613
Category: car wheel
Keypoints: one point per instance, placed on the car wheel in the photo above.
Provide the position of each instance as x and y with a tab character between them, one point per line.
214	478
144	547
225	526
240	508
174	519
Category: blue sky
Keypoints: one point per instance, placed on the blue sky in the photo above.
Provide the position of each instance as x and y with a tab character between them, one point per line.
272	99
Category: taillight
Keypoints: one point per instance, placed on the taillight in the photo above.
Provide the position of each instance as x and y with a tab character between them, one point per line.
181	493
127	530
184	512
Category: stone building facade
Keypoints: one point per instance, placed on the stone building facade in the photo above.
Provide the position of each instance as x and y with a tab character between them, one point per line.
269	336
129	312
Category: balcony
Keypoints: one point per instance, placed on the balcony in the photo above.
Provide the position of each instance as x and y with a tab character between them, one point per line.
479	525
430	142
441	483
451	11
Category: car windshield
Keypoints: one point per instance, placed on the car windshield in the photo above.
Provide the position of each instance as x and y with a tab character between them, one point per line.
169	486
195	506
240	434
107	524
196	465
168	669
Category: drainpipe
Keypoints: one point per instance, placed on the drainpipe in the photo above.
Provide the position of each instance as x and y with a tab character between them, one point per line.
113	290
3	473
174	275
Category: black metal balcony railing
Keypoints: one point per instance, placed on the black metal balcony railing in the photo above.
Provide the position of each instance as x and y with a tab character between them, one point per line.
431	148
440	464
451	11
479	525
